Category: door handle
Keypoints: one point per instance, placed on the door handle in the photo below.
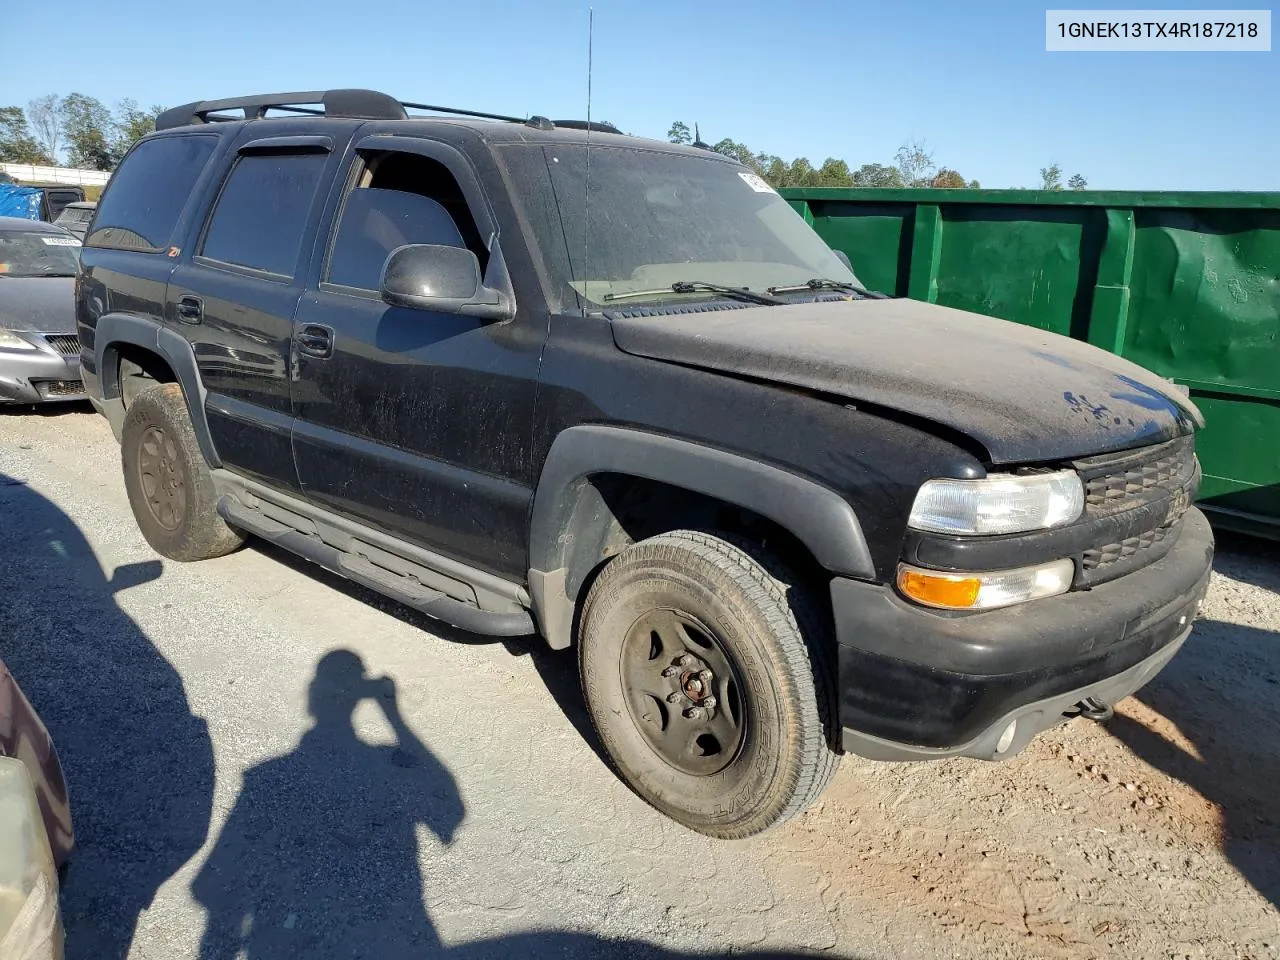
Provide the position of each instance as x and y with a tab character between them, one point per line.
190	309
315	341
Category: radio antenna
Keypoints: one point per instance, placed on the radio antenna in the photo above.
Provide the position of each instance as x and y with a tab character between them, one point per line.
586	201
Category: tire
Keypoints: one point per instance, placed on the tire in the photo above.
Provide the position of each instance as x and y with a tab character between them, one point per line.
760	751
168	482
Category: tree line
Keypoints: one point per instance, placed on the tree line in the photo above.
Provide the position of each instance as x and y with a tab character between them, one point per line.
81	131
913	166
78	130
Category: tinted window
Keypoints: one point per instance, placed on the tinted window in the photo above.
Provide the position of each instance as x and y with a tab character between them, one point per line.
146	195
375	222
261	214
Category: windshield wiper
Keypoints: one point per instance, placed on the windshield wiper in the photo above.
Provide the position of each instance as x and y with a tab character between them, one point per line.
821	283
699	286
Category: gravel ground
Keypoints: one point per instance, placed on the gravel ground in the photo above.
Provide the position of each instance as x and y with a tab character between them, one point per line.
389	788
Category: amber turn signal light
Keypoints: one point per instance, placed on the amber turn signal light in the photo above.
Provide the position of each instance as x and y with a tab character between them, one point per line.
938	589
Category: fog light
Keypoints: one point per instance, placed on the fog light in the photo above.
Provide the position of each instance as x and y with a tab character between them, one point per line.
1006	738
987	590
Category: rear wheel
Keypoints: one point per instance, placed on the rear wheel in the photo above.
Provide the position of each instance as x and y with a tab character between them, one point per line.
711	701
168	482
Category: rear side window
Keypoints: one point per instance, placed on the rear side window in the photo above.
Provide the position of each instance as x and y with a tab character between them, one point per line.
261	215
146	195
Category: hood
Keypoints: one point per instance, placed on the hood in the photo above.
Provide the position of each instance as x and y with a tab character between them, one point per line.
38	304
1024	394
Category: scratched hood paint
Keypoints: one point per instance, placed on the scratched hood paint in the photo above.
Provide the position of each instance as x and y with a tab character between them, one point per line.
1024	394
38	304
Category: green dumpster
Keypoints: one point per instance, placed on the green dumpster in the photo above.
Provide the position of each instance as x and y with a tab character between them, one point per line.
1185	284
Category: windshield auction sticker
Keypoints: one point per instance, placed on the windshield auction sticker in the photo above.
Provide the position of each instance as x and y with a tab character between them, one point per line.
1158	30
756	183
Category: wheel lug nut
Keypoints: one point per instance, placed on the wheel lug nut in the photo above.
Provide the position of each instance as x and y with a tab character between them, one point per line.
709	702
706	676
693	713
675	697
686	660
670	671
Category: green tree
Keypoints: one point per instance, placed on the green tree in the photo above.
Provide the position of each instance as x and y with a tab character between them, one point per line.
915	163
88	128
877	175
16	143
1051	177
948	179
46	124
1077	182
834	173
776	171
800	173
679	133
129	125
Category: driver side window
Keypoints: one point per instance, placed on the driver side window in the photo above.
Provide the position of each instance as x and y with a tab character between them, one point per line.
397	199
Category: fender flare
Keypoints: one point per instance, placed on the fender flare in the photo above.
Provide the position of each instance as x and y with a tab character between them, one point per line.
566	505
113	329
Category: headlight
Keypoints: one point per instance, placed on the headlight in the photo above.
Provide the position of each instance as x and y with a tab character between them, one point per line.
1002	503
11	341
984	591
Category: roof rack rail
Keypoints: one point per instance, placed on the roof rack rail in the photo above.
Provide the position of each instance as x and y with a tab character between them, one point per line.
352	104
594	125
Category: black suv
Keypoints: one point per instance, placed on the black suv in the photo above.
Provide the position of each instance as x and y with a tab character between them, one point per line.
534	376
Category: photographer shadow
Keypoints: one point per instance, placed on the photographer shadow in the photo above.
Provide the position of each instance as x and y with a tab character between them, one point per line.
319	857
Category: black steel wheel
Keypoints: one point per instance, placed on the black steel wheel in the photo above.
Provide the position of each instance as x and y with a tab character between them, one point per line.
706	682
683	692
161	478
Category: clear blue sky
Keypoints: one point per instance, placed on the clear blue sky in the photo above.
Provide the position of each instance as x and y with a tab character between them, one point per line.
846	79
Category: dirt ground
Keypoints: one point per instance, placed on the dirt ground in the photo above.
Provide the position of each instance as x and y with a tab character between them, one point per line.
183	700
1154	835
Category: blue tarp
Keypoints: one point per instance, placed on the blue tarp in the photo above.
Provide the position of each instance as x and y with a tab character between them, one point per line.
20	201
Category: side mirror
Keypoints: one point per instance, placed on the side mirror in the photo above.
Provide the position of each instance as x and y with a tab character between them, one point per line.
426	276
843	258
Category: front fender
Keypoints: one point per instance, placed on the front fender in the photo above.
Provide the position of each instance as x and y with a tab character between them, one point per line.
567	508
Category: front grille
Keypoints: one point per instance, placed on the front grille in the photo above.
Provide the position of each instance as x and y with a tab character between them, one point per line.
1123	481
67	344
1162	479
53	389
1163	472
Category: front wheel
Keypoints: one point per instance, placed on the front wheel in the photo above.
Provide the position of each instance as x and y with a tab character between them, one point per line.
711	701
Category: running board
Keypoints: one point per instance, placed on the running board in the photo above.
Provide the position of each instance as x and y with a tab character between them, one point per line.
398	586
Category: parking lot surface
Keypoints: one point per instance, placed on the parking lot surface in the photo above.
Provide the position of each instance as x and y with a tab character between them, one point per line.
263	757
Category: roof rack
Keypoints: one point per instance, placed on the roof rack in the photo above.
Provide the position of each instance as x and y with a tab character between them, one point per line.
351	104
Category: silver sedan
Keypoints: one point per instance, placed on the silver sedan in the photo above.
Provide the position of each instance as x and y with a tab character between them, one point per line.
39	347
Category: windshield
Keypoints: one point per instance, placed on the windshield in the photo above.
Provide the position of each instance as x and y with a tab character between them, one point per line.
31	253
655	218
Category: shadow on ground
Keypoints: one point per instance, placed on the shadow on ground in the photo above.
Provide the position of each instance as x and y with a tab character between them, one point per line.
1222	692
558	669
319	856
139	765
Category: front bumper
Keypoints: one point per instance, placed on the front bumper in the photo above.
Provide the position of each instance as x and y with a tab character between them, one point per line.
922	684
39	376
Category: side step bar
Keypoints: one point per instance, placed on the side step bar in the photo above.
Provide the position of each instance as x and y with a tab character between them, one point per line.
397	586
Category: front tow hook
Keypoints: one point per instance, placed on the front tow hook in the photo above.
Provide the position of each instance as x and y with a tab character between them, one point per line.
1093	709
